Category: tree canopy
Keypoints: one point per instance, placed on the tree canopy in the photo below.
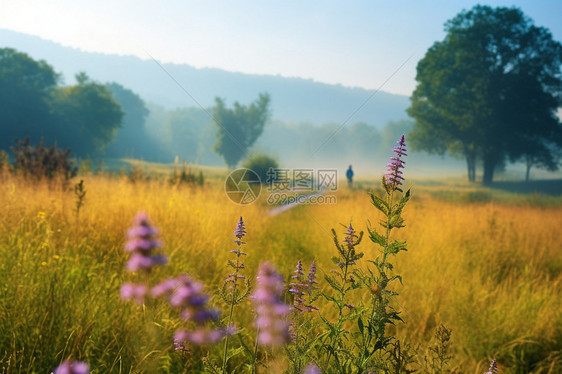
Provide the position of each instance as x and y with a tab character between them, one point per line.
490	91
83	117
87	116
238	128
25	87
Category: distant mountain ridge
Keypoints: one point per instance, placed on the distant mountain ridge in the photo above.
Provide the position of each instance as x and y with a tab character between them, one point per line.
292	99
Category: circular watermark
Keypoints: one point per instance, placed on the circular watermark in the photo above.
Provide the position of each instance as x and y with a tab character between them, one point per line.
242	186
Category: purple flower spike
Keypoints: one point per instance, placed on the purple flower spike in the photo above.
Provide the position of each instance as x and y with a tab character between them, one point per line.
240	230
72	367
350	236
141	244
273	328
493	367
303	288
393	175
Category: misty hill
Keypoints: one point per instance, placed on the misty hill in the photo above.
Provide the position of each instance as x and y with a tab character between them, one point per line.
293	99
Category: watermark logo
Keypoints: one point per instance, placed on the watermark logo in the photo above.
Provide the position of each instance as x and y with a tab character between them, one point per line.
285	186
242	186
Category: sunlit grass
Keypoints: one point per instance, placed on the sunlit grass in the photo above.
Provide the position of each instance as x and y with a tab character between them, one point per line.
489	268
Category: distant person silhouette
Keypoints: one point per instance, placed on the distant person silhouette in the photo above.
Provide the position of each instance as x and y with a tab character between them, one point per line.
349	175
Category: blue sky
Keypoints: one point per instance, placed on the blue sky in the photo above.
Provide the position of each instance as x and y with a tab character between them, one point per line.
353	43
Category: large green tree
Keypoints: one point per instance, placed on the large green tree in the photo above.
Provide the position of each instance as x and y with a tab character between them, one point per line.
25	87
87	116
489	91
238	128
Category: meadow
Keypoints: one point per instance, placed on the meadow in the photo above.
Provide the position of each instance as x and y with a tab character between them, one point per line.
485	264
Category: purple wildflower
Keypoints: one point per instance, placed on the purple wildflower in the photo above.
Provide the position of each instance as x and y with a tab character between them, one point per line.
493	367
311	286
312	369
273	329
187	294
297	287
302	286
393	175
141	243
134	291
350	236
72	367
230	292
240	230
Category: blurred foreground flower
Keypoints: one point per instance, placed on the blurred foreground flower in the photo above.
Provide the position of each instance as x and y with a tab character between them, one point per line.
72	367
187	294
273	327
312	369
141	243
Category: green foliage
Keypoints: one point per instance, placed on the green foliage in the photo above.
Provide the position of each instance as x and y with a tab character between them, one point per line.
438	355
260	164
83	117
87	116
186	175
489	90
238	128
25	85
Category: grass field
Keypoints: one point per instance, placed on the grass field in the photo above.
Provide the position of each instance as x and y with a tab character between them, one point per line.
486	263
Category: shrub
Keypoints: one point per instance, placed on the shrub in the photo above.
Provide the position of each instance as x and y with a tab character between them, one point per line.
42	162
261	163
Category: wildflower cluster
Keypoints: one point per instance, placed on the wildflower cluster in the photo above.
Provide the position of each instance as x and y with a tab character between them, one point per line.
187	294
141	243
303	288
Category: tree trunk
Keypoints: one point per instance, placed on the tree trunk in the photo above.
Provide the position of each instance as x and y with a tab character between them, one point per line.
489	166
471	166
529	165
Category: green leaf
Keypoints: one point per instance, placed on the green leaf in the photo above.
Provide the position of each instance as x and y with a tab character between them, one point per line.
377	238
333	283
360	325
379	203
396	277
403	200
386	186
396	221
396	246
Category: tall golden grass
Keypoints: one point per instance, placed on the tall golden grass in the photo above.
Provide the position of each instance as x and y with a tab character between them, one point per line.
490	271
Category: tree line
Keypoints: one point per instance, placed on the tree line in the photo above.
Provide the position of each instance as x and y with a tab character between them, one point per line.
489	93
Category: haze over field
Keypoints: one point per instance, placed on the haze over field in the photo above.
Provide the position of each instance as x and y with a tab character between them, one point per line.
339	76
